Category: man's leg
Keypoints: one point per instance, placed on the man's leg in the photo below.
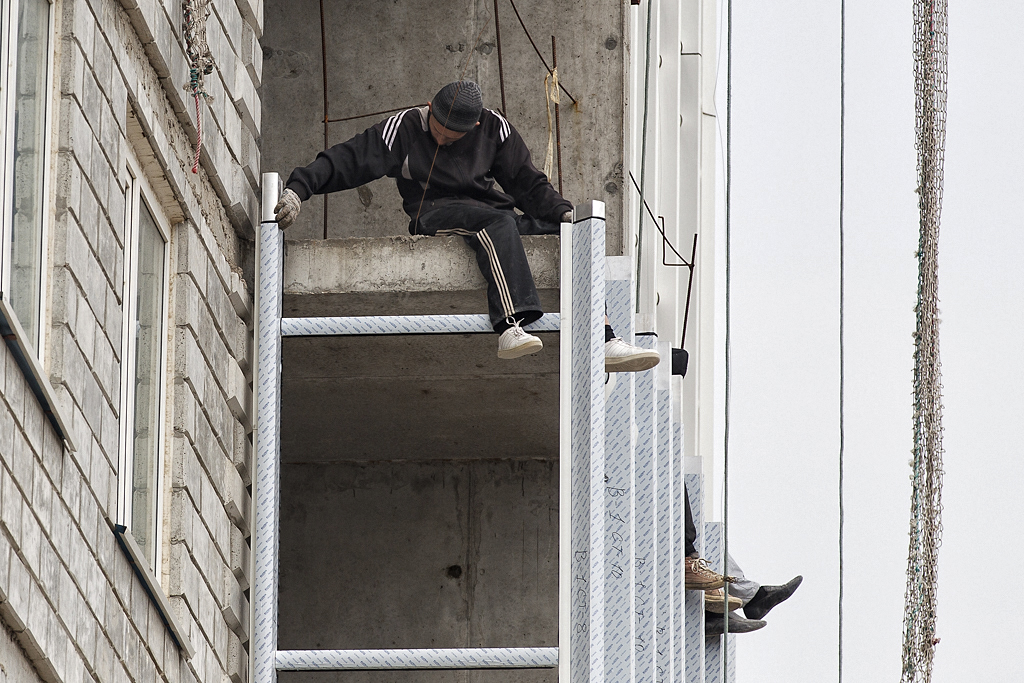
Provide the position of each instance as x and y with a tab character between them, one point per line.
698	575
743	588
757	600
511	293
691	530
493	234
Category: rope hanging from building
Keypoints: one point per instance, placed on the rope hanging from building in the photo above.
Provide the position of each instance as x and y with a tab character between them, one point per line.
550	97
200	61
930	51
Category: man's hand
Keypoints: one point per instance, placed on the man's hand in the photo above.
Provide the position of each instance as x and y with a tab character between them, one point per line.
567	217
287	208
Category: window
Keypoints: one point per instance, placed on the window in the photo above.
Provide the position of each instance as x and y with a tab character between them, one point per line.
25	30
143	349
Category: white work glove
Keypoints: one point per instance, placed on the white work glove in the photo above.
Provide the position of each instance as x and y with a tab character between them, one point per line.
288	207
567	217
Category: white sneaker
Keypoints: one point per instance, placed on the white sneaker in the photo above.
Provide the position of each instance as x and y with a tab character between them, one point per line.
622	357
514	342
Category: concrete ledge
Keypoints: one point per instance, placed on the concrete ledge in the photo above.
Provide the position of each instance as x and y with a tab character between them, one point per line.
401	265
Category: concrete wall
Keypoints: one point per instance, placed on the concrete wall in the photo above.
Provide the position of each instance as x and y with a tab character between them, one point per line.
420	554
67	590
398	54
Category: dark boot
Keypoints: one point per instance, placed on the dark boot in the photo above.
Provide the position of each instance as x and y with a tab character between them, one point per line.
714	624
769	596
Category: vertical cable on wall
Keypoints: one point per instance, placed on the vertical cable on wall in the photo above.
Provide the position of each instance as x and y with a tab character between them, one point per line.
728	327
643	155
842	317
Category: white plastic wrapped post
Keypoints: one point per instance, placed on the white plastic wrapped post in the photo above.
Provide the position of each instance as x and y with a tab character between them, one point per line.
714	662
267	433
619	558
693	662
664	503
581	398
645	565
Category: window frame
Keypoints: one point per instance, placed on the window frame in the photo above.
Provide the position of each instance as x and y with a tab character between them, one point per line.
8	76
140	192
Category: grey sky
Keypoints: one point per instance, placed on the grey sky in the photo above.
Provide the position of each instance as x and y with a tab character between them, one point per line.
784	446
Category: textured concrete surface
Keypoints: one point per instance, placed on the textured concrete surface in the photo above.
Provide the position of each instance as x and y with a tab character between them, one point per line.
401	264
397	54
400	276
403	555
416	398
15	666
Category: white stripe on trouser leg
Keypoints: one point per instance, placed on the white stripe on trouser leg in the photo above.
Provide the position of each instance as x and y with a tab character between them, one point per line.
497	273
448	232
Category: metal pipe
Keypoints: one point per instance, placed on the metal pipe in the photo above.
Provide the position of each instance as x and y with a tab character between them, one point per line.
441	658
266	476
402	324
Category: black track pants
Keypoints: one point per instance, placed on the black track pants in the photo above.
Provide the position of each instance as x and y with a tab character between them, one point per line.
494	236
690	529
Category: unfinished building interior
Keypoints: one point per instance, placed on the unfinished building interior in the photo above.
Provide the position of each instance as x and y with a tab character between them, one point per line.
419	474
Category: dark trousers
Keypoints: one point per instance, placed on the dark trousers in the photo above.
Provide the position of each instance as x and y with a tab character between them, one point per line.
494	236
691	530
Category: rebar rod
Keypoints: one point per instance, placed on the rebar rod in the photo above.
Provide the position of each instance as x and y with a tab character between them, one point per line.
327	123
501	63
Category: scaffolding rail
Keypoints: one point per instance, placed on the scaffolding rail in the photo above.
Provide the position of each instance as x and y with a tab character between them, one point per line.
624	614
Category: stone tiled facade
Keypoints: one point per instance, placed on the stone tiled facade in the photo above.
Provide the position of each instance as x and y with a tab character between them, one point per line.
73	609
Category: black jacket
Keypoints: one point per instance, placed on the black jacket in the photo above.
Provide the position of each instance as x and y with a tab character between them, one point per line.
402	148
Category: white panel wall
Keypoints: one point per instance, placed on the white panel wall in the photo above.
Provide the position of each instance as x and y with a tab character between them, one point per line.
679	185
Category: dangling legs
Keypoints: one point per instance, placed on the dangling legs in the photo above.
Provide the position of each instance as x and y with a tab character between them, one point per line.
512	298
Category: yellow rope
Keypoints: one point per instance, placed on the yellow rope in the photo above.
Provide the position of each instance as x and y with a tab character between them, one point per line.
551	98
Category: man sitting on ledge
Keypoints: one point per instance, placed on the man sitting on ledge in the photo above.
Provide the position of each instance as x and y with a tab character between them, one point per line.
448	159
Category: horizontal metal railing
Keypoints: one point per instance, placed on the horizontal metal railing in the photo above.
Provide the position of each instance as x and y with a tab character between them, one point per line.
403	324
456	658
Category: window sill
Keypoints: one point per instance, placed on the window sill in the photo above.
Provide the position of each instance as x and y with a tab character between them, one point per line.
145	574
17	341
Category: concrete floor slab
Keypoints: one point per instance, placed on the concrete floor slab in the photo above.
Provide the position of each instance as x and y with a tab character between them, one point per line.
400	276
416	398
402	264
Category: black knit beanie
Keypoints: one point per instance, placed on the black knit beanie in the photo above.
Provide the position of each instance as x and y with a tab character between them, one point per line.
457	106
